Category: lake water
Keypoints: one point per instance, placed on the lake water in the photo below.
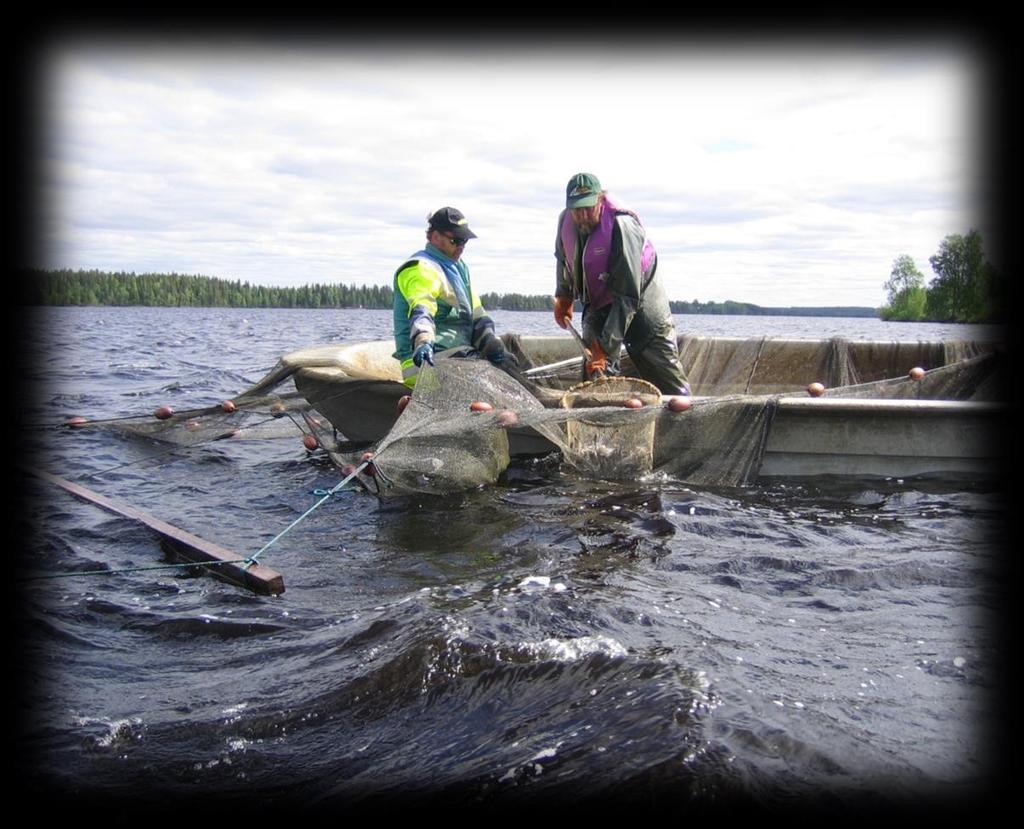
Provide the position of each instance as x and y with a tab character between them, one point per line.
548	645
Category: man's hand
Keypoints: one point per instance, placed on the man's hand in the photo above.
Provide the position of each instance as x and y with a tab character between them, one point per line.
563	310
423	353
494	350
502	357
598	362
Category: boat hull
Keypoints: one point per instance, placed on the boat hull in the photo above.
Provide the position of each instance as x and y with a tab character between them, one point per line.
883	438
357	388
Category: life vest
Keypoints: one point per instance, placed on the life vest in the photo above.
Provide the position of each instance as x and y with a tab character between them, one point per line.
448	311
592	284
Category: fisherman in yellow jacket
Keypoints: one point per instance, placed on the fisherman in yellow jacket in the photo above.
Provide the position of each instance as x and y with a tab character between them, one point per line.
436	309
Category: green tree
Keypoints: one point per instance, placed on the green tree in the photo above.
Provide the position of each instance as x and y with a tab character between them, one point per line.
966	287
906	291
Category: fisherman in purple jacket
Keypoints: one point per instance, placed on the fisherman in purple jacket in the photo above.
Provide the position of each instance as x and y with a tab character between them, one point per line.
605	259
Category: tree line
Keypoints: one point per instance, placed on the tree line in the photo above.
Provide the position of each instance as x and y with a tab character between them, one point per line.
94	287
965	288
749	309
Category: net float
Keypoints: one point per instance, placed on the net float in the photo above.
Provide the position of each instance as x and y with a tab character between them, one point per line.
75	422
634	403
163	413
310	442
816	390
506	419
679	404
916	373
403	401
228	406
481	406
278	409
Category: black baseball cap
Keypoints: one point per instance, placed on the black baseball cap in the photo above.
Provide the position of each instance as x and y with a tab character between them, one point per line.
450	219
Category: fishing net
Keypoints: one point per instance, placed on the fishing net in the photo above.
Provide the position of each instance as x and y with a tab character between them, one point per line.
254	417
719	366
613	444
612	429
719	439
980	378
467	419
716	442
452	434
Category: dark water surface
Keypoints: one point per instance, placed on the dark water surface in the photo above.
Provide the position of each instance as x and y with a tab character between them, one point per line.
549	642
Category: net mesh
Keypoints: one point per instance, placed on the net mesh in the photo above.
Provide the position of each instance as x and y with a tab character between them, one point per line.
441	442
719	366
452	435
255	417
717	442
977	379
611	444
611	429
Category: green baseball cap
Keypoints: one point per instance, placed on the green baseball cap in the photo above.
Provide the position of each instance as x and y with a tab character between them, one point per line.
582	190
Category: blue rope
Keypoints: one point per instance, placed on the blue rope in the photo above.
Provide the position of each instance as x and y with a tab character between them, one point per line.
327	494
249	562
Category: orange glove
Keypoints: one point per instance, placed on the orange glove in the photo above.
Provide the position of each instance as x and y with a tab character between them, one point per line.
563	310
598	362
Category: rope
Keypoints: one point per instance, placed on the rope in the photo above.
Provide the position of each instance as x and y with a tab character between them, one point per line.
251	560
336	488
248	562
753	368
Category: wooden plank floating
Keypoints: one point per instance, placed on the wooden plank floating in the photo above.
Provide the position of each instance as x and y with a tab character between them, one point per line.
191	548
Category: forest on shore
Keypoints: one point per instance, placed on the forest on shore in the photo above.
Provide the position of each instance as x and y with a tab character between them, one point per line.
966	288
94	287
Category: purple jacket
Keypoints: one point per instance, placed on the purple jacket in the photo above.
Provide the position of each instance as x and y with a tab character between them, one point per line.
596	253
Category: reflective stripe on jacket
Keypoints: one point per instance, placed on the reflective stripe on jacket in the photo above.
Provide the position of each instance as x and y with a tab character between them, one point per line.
435	302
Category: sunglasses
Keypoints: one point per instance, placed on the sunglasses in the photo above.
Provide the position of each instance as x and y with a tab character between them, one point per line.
459	243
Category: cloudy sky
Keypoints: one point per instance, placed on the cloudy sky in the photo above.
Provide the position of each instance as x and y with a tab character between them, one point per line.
779	174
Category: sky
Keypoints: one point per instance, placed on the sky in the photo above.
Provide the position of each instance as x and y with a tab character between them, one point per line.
789	174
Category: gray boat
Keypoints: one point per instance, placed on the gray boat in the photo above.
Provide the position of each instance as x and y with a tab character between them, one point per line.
799	407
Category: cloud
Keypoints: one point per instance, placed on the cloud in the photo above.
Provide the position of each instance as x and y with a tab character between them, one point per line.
785	177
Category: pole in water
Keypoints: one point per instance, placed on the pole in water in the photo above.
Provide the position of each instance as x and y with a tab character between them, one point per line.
229	567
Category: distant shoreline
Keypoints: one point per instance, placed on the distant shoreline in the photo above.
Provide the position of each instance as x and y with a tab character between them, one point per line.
800	311
153	290
750	310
